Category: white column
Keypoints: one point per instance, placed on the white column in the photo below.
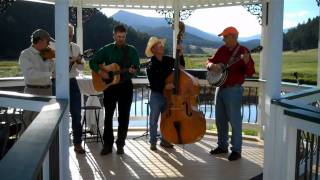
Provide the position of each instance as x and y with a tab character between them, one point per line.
264	41
273	50
79	27
62	80
45	167
262	70
176	20
318	80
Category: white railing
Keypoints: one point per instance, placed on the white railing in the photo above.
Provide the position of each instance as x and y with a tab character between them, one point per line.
139	109
293	114
36	154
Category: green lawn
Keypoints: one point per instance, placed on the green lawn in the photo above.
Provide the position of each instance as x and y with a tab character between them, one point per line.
303	62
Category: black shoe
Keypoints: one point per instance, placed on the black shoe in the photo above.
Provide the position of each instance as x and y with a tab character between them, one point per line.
79	149
120	150
234	156
218	150
105	151
165	144
153	147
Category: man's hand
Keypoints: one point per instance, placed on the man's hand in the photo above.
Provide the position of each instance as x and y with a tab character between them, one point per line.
169	86
132	70
104	74
246	57
77	60
180	50
214	67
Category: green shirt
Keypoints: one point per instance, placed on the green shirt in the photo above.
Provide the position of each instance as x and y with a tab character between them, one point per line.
112	54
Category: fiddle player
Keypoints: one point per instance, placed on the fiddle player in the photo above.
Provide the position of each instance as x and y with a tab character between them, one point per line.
228	99
158	70
36	71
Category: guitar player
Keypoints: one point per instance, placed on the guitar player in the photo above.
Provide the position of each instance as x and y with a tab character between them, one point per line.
126	57
228	99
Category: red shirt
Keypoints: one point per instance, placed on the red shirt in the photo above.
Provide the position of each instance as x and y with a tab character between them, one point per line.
239	70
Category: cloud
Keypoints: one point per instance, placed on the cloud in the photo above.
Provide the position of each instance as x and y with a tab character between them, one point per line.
298	14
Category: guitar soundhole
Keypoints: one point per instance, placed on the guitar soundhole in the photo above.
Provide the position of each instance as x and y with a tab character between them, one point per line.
111	76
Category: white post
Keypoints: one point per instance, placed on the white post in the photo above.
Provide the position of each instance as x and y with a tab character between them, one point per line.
262	69
45	168
176	20
62	81
273	50
318	81
79	28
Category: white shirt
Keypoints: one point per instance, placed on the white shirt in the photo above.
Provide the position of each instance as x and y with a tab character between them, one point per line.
35	70
75	52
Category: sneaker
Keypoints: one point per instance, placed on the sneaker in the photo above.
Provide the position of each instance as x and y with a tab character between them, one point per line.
153	147
120	150
105	151
165	144
218	150
79	149
234	156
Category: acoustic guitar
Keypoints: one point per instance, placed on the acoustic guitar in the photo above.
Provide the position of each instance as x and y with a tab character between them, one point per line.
114	71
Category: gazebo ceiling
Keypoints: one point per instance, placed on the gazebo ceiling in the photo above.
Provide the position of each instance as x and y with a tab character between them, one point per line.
156	4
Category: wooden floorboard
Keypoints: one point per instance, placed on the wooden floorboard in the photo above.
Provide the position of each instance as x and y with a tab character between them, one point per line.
183	162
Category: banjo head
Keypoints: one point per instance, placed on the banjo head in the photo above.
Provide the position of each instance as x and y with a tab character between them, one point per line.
217	78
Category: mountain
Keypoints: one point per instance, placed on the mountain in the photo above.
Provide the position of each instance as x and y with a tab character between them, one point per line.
193	37
250	38
251	44
151	24
21	19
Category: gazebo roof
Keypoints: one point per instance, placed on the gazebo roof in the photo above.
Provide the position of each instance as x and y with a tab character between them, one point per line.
157	4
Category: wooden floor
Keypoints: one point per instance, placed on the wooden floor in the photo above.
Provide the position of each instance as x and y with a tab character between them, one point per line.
183	162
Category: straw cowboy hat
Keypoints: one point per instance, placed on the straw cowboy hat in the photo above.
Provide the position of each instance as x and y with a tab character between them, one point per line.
152	41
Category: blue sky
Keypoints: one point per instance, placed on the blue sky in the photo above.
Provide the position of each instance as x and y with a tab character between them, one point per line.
295	11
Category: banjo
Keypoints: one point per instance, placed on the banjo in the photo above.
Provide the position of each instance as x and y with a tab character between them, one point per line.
217	79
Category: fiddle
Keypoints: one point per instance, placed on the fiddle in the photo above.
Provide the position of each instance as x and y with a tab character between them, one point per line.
48	53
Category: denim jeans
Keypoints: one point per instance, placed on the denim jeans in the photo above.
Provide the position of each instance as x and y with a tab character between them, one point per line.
157	105
228	110
75	109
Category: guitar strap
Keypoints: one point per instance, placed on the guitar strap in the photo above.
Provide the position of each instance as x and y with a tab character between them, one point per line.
232	58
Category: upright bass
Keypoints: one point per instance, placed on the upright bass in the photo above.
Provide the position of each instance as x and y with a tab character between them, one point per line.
182	122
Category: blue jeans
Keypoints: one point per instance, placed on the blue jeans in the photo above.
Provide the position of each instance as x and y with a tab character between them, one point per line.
157	105
228	109
75	109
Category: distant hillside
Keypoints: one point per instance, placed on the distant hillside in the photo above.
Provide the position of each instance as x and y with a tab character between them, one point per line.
140	22
21	19
304	36
194	38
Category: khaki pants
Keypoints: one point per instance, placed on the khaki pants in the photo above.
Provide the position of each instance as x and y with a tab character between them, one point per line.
29	116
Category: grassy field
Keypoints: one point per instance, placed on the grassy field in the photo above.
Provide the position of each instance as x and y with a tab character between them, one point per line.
303	62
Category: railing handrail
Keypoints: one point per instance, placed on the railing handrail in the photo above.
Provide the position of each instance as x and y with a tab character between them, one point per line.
25	158
303	114
144	80
295	107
